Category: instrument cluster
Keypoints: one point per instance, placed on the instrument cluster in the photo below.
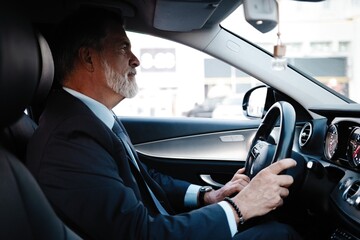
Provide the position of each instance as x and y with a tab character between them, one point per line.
342	144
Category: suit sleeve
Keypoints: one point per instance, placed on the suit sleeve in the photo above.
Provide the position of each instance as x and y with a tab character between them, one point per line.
175	189
79	176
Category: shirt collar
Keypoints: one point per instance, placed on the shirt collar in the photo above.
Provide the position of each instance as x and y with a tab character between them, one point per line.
99	109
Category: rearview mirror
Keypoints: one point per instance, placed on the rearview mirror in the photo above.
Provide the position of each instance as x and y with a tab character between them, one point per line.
261	14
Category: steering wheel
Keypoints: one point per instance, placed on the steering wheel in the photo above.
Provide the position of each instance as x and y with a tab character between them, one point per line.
263	151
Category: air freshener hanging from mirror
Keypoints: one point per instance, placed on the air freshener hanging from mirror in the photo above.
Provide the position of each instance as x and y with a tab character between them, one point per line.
279	62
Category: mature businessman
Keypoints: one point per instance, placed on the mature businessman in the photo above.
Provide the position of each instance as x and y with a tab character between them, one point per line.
85	163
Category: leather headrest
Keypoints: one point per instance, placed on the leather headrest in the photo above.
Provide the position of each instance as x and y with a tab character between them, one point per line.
19	66
46	72
46	79
26	67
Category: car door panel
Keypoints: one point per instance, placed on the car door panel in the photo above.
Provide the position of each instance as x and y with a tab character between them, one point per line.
227	145
202	151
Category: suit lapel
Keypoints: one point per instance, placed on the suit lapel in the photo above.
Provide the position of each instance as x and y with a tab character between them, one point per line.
130	176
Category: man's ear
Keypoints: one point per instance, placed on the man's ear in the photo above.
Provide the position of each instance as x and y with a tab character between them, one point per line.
85	57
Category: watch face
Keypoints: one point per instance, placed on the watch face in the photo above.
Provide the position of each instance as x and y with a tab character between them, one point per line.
206	189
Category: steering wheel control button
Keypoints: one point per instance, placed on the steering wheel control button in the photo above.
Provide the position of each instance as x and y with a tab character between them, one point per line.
255	152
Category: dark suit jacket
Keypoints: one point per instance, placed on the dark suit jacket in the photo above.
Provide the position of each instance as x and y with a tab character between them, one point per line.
83	169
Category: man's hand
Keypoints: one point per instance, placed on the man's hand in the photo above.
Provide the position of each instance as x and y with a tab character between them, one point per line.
234	186
265	192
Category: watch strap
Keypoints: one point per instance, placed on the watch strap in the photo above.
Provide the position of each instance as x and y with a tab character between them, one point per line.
202	191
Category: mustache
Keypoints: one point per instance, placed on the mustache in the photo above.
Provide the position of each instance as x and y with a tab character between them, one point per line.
132	71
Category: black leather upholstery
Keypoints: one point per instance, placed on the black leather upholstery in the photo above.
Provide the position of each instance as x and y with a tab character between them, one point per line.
16	136
19	66
24	210
46	78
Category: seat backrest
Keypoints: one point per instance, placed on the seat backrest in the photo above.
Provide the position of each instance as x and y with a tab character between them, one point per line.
16	136
25	211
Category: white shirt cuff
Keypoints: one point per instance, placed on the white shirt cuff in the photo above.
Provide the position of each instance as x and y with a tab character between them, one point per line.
190	201
230	217
191	196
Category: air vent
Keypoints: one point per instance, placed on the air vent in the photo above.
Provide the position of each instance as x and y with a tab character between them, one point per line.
349	194
305	134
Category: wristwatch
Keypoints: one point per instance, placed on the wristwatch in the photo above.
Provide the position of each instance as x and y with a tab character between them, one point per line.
202	191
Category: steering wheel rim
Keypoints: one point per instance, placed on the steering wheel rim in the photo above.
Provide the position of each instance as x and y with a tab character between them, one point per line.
262	152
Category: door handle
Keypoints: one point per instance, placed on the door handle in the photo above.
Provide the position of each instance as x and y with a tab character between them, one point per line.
208	179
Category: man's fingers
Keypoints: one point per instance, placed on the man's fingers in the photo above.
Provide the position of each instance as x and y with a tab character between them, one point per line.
239	175
242	182
282	165
285	180
241	170
284	192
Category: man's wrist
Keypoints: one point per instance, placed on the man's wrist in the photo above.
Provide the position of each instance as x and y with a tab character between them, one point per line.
201	195
239	217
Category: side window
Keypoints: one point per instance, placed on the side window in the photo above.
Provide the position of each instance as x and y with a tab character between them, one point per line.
178	81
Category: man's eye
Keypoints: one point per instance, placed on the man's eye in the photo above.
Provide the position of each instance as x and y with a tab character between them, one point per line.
124	48
121	50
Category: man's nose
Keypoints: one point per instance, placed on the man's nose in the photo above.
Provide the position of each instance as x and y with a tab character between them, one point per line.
134	61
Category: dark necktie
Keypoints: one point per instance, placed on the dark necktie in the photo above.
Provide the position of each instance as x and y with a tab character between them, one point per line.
119	130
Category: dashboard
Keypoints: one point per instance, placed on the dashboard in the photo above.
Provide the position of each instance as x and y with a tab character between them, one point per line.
334	142
342	148
342	143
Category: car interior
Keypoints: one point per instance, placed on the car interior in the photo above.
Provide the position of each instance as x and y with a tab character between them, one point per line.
299	118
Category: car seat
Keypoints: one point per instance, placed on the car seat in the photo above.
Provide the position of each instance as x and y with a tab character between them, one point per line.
25	212
16	136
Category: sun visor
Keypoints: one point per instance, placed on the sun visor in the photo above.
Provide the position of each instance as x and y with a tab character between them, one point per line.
175	15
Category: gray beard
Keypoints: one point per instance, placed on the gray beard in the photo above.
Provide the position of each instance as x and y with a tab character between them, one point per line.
119	83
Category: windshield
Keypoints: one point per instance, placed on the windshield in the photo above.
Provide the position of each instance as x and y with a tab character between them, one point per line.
322	39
